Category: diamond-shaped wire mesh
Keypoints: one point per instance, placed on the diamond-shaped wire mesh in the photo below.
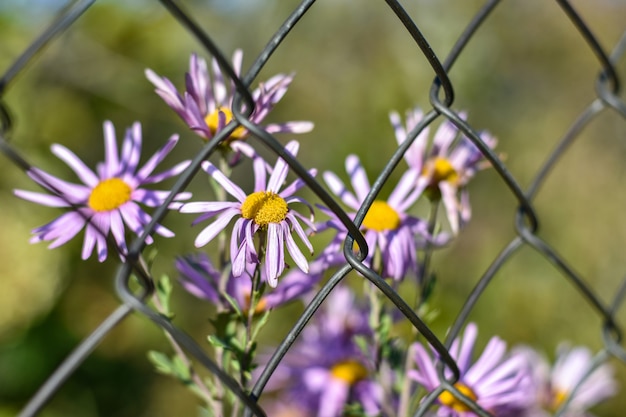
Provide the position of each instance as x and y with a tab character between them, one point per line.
441	95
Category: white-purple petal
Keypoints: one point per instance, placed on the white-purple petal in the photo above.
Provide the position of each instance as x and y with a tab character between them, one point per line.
295	252
260	169
208	206
250	229
230	187
165	88
299	230
338	188
156	159
333	398
90	241
358	177
111	160
43	199
488	360
86	175
272	254
467	346
238	259
398	198
212	230
117	229
295	185
290	127
449	199
281	168
56	228
219	88
426	373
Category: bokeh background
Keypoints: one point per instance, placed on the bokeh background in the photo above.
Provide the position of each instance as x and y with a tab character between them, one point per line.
524	77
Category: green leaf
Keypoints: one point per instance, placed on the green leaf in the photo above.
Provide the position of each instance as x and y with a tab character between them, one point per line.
235	365
150	255
204	412
394	354
250	354
163	292
233	304
181	369
217	342
225	324
161	362
427	313
164	286
260	323
363	344
429	287
247	375
353	410
385	326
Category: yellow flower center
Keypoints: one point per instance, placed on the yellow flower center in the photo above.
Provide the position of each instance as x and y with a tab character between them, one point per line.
349	371
109	195
442	170
261	305
213	120
557	399
448	399
380	217
264	207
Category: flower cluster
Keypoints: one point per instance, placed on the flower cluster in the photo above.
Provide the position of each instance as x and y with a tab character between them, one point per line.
328	371
348	360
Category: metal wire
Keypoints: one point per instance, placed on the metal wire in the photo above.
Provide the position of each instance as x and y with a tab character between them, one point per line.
526	219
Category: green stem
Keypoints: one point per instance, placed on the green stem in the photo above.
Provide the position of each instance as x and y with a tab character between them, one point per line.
255	296
405	393
425	275
201	389
376	307
381	332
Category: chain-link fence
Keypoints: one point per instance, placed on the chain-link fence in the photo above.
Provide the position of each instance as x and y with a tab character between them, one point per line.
441	97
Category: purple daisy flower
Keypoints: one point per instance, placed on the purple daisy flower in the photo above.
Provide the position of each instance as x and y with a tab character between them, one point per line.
265	212
500	385
206	105
200	278
108	199
446	167
387	227
564	382
325	370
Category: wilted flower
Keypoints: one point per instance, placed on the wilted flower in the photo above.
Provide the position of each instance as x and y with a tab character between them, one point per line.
570	383
206	104
446	167
280	408
387	227
108	199
265	212
200	278
499	384
325	370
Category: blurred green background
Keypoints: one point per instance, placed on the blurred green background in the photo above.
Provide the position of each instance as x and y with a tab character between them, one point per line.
525	77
